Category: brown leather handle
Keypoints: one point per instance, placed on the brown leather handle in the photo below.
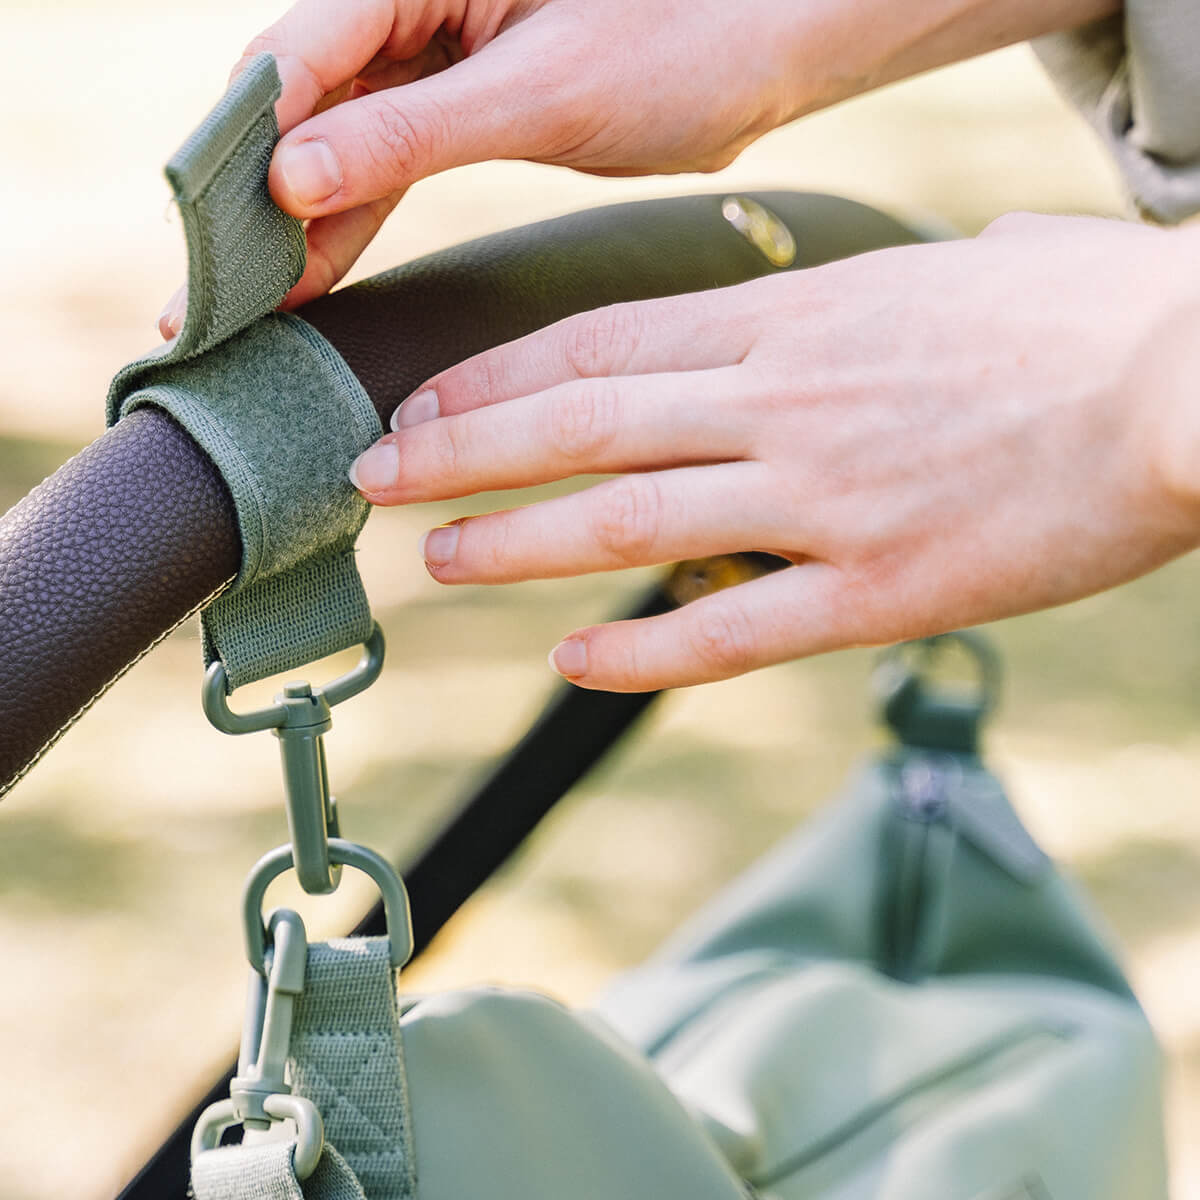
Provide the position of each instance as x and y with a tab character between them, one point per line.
132	535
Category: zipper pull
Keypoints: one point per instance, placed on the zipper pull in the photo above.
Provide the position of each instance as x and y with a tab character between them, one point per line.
925	787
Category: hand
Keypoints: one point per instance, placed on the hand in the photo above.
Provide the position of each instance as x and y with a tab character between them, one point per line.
934	435
405	88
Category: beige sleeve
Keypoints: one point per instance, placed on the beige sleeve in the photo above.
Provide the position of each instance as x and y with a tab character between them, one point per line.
1137	79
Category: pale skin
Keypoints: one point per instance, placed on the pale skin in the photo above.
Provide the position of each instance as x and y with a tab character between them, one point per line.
934	436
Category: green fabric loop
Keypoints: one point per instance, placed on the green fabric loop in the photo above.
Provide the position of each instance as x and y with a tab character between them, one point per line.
265	395
244	252
264	1171
282	417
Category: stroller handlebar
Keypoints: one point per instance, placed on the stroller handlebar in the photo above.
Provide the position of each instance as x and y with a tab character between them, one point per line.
137	531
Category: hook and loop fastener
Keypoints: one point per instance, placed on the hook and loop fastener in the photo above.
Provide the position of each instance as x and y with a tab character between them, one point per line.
265	395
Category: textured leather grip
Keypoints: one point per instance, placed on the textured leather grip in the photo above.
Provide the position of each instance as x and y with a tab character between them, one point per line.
136	532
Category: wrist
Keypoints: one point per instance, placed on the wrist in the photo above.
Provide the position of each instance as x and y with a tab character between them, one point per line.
870	44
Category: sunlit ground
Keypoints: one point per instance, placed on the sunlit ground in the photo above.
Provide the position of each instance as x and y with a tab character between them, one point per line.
122	854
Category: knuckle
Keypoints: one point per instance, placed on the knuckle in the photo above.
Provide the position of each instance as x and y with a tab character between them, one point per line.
447	448
1013	222
603	342
583	423
477	383
489	382
723	638
267	42
629	519
622	661
488	551
400	144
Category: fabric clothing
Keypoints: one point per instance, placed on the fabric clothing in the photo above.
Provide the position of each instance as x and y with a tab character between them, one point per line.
1136	77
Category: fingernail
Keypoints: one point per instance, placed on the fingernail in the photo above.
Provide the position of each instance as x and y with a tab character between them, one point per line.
570	658
310	170
439	546
421	407
170	320
376	469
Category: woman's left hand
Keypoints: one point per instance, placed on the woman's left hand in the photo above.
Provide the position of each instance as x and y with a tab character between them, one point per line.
934	436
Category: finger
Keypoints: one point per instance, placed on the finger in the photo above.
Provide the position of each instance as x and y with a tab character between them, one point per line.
380	143
633	521
592	426
334	244
317	49
795	612
386	73
679	333
170	320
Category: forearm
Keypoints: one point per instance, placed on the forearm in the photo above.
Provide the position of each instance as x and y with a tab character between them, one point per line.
868	43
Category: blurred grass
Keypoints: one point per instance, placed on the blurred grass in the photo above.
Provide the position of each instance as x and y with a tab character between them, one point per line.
121	856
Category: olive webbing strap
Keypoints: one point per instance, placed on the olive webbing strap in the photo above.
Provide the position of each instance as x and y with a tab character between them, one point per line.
346	1057
264	1172
265	395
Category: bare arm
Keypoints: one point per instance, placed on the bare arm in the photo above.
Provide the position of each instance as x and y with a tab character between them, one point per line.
405	88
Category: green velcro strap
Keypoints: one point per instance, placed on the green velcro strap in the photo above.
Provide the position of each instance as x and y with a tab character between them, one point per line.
282	417
265	395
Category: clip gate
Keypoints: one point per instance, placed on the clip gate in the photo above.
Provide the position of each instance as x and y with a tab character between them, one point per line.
259	1094
300	718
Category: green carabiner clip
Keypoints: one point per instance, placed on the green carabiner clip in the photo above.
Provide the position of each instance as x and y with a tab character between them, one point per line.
259	1094
300	718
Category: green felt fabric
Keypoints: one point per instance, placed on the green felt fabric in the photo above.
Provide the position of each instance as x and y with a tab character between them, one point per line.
265	395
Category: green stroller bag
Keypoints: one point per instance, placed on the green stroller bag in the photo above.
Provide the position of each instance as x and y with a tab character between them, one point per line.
905	1001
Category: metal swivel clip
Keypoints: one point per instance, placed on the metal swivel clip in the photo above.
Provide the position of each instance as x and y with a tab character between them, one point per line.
300	718
277	949
259	1094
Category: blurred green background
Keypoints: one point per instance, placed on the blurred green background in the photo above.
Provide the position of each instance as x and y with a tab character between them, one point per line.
122	854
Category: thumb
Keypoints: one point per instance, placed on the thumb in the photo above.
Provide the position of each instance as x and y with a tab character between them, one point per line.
381	143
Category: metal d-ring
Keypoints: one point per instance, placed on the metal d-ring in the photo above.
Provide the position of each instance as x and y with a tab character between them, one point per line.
300	718
215	692
310	1129
921	714
391	888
